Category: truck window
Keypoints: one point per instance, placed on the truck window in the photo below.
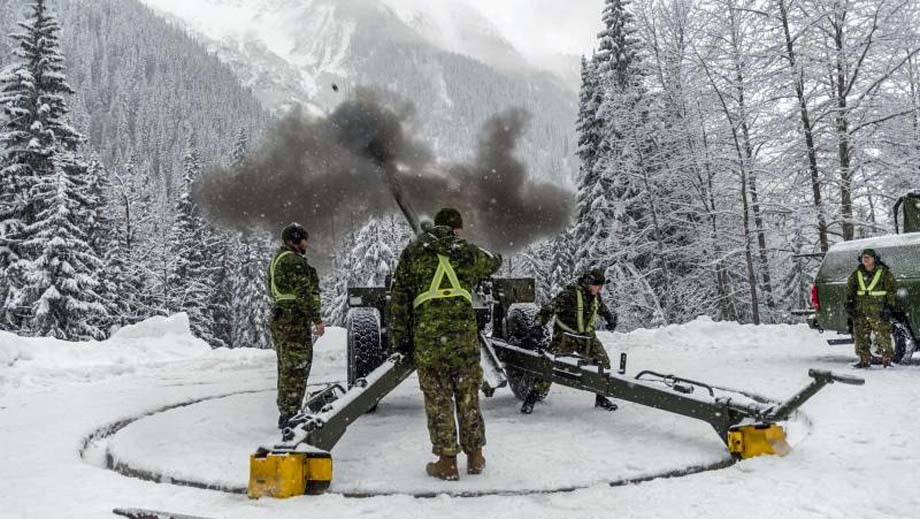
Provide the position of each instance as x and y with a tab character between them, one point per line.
904	262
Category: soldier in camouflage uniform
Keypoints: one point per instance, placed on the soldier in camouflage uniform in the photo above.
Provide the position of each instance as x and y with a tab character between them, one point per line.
576	309
296	316
432	316
871	302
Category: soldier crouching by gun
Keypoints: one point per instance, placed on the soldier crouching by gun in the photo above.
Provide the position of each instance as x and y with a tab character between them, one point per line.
576	309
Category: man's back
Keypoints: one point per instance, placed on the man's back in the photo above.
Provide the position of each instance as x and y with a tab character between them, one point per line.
432	290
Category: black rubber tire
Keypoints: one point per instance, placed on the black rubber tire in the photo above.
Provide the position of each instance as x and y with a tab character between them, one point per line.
365	350
901	336
520	323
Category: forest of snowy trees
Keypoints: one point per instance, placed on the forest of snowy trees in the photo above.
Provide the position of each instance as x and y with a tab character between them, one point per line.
718	140
97	228
722	140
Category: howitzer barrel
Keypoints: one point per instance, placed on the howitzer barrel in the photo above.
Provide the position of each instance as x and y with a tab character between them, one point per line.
401	200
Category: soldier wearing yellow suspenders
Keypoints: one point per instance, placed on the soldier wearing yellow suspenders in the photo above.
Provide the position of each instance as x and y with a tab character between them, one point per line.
296	316
576	310
432	318
871	301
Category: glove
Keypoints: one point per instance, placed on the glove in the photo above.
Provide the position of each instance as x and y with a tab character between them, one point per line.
319	329
887	314
612	324
851	309
405	347
536	335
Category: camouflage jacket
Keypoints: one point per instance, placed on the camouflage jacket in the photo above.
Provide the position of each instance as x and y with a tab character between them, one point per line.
871	305
297	284
441	332
565	307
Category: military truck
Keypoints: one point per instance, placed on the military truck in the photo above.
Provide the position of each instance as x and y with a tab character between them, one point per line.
901	252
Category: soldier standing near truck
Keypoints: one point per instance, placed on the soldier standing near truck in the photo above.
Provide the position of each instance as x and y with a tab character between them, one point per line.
296	316
576	309
871	303
432	316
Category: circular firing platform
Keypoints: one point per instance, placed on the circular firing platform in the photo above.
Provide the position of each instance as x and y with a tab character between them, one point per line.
564	444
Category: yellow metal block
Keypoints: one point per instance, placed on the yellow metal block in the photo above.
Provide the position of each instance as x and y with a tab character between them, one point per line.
289	474
318	474
756	440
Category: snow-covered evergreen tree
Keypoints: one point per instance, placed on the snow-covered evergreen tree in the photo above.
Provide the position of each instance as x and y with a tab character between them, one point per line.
59	286
373	255
250	302
192	267
48	213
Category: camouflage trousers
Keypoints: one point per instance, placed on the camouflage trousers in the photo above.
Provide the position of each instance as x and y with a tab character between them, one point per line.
590	349
863	328
448	391
293	340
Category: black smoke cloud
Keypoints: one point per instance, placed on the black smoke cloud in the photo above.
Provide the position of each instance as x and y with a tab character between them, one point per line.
332	173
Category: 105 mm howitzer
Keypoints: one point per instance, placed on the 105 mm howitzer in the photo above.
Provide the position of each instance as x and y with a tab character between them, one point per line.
511	356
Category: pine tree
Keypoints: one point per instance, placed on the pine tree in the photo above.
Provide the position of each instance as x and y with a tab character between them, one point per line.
373	255
619	226
188	278
589	128
131	210
250	303
100	226
60	286
618	48
240	148
219	276
43	193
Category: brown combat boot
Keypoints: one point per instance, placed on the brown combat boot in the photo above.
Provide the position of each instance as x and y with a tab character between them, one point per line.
475	462
445	468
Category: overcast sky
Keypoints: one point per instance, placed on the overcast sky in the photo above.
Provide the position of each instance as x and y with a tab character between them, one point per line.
546	26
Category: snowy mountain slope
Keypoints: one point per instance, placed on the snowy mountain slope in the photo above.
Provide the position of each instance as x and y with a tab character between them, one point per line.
290	51
461	29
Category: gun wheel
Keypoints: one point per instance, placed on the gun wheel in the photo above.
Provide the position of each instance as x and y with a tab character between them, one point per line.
521	321
365	350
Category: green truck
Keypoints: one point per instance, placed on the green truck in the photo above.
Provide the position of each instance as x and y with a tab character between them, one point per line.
901	252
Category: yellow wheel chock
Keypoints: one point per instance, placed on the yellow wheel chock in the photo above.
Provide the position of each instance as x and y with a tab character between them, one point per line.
289	473
749	441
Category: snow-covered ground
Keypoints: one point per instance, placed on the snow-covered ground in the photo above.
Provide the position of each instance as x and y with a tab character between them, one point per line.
855	454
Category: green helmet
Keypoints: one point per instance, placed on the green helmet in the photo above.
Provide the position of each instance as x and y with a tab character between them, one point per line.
449	217
594	277
294	233
870	252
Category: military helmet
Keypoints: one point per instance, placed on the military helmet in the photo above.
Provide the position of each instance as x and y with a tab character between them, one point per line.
294	232
594	277
449	217
870	252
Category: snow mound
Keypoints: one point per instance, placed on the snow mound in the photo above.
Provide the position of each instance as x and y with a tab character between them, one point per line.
705	333
155	327
43	361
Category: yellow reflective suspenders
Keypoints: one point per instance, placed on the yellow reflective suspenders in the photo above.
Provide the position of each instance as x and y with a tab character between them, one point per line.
436	292
870	290
276	294
580	313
